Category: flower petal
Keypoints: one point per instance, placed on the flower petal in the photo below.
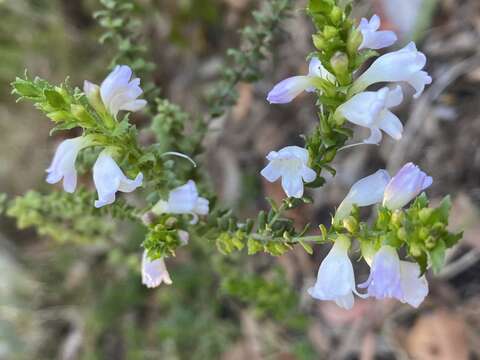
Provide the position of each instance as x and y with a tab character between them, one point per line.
288	89
405	65
372	38
293	186
391	124
63	163
271	172
405	186
414	286
375	137
109	178
308	174
364	192
154	272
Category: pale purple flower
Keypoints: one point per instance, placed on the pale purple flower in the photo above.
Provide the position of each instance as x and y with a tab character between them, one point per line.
184	200
154	272
63	163
117	91
405	186
336	280
364	192
371	109
288	89
291	164
391	277
414	286
372	38
404	65
384	280
109	178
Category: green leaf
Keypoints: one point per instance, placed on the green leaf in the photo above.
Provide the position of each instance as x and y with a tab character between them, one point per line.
437	256
54	99
306	247
25	88
422	261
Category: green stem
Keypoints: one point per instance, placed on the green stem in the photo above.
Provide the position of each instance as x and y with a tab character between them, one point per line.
294	240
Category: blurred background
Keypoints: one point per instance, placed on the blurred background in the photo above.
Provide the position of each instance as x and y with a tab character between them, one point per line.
81	300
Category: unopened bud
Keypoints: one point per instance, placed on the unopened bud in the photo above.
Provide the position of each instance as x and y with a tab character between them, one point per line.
353	42
318	41
82	115
92	92
351	224
148	218
402	234
330	32
171	222
398	217
415	251
430	242
339	62
336	15
424	214
423	233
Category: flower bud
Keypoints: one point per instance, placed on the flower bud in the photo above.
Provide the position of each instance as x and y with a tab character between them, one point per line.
339	63
398	217
92	92
351	224
424	214
402	234
318	41
423	233
353	42
330	32
82	116
405	186
336	15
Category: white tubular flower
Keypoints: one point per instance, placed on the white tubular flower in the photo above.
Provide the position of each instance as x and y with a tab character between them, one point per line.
371	109
405	186
374	38
63	163
154	272
184	200
336	280
117	91
405	65
290	163
384	280
414	286
364	192
109	178
288	89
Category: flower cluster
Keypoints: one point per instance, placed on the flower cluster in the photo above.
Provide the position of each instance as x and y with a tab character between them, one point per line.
174	212
118	92
389	276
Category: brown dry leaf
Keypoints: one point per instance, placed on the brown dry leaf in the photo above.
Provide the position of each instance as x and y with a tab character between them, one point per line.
244	103
441	335
368	347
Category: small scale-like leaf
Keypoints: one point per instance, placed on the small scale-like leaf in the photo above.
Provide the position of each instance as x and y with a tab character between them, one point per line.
437	256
